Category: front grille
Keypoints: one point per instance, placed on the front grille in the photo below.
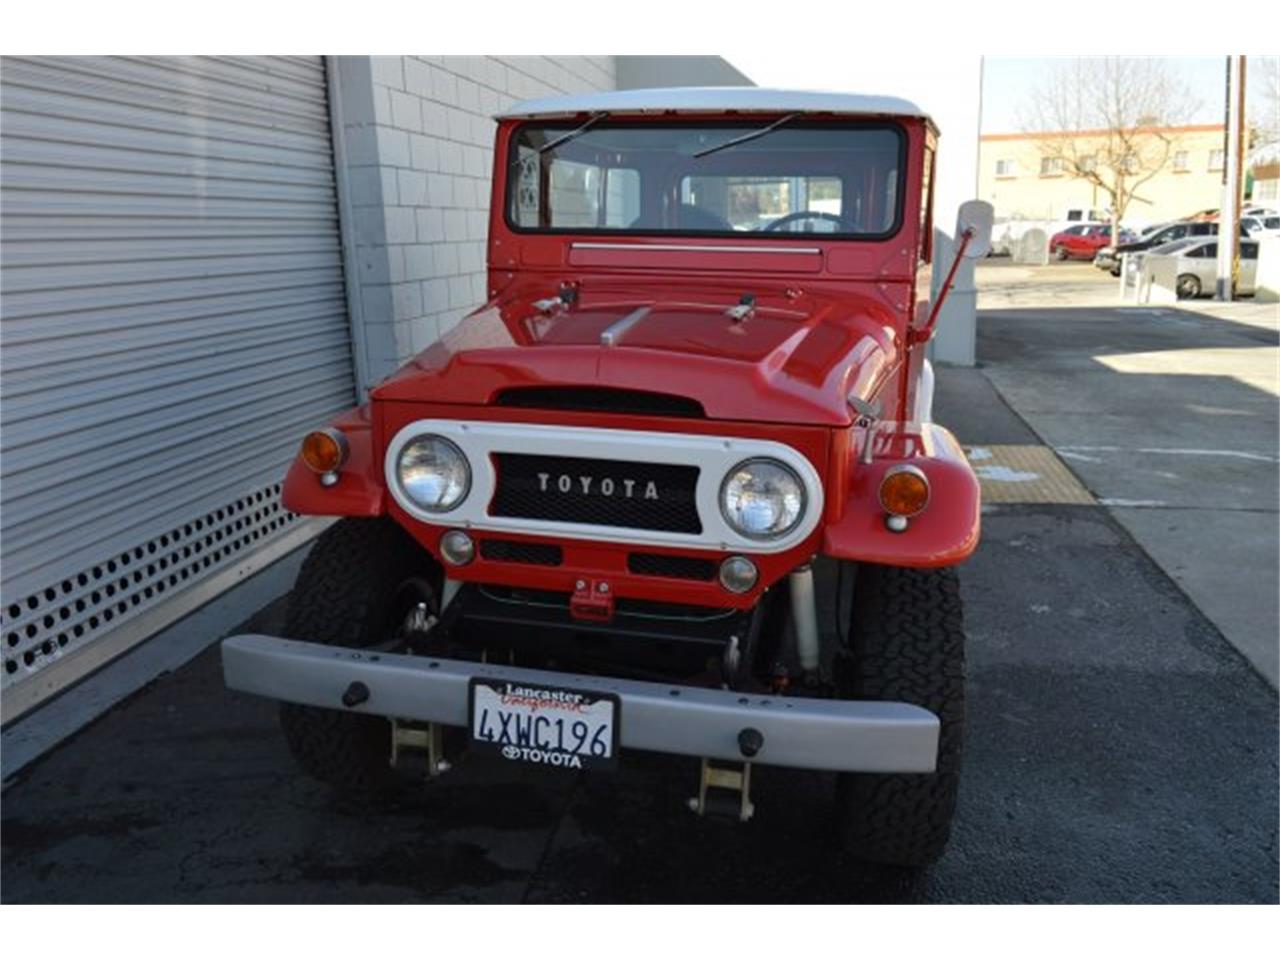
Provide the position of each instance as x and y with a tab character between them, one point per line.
677	568
608	493
600	400
518	551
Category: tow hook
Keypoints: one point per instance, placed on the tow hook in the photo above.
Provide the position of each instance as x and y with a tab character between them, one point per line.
592	600
724	789
424	738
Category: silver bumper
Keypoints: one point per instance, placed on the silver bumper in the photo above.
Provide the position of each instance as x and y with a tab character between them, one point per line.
864	736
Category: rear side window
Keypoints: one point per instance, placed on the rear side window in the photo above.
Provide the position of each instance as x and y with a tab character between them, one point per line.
1205	251
1249	251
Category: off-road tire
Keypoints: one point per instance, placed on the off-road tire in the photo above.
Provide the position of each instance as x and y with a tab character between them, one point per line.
343	597
905	643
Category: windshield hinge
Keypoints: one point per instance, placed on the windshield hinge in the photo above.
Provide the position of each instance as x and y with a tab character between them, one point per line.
745	308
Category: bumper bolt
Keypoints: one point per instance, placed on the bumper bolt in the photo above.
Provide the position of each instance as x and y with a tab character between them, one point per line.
355	695
750	740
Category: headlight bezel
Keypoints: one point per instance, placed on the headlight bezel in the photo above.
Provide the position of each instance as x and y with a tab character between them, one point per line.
398	474
790	528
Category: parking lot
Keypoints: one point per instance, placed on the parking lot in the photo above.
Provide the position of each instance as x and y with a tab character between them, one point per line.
1121	747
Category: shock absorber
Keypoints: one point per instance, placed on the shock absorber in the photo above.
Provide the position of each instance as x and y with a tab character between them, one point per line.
804	614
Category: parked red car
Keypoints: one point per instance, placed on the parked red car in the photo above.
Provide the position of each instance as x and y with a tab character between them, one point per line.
1080	242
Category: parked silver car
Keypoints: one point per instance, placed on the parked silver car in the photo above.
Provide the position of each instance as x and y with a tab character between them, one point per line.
1197	267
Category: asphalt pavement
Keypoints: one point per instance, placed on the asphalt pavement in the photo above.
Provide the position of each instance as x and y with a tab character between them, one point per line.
1119	749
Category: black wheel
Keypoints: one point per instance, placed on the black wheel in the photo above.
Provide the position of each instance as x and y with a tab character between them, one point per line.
906	643
1188	286
1115	271
1061	252
355	589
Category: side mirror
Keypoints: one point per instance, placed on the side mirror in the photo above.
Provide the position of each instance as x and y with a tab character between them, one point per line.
980	217
974	224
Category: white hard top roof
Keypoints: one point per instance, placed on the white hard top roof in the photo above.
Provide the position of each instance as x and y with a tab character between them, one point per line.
712	100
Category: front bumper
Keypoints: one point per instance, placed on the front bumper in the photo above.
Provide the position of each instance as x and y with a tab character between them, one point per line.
843	735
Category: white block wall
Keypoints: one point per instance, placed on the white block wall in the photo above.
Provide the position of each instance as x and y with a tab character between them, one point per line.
417	148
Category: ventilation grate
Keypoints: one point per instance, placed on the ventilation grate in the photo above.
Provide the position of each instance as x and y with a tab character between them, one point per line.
668	565
520	551
45	625
638	403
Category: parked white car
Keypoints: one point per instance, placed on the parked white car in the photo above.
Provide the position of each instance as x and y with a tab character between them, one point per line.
1261	225
1197	266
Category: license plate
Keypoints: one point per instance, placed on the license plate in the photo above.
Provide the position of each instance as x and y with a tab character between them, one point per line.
550	726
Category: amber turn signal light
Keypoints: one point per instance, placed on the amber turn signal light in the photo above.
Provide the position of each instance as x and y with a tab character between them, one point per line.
324	451
904	491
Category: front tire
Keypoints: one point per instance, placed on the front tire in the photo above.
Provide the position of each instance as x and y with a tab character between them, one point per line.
1188	286
1061	253
906	643
355	589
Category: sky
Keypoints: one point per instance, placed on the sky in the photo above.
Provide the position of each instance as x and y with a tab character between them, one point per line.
1005	81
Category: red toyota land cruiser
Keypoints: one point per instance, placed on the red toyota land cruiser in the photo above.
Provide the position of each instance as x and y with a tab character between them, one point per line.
674	487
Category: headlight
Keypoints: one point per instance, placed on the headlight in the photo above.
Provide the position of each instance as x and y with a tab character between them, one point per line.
433	473
762	499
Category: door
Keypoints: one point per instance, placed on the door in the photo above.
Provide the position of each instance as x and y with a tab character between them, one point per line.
174	319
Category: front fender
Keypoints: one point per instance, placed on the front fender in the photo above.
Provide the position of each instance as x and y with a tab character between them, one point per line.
945	533
359	491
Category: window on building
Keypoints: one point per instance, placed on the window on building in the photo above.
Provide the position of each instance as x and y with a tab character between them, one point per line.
1088	164
1181	161
1005	168
1217	159
1050	166
1129	163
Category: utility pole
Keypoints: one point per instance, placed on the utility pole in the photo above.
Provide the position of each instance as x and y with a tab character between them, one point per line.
1229	212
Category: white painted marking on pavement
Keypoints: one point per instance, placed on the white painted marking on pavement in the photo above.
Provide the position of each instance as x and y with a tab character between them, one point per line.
1005	474
1175	451
1122	502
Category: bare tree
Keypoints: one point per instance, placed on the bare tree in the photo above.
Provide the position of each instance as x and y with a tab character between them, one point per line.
1263	110
1106	120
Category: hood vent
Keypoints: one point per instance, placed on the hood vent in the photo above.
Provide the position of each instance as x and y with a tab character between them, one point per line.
637	403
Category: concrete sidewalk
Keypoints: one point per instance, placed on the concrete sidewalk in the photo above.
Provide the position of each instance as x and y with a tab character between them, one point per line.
1169	417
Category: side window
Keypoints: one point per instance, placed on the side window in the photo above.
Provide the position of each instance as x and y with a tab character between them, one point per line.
575	194
1205	251
926	209
1175	233
621	197
1249	251
579	195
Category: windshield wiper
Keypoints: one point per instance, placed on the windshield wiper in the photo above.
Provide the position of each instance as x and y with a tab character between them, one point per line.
753	135
569	135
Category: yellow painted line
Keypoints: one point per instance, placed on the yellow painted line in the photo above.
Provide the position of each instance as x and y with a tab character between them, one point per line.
1024	473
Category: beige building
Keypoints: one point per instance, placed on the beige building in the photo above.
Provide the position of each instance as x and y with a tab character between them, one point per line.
1022	183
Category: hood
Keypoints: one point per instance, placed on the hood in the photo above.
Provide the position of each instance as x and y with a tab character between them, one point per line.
793	357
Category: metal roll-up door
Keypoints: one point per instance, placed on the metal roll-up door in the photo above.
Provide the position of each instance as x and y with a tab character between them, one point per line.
172	318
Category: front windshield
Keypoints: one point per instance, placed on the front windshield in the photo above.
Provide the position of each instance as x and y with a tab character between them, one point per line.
801	178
